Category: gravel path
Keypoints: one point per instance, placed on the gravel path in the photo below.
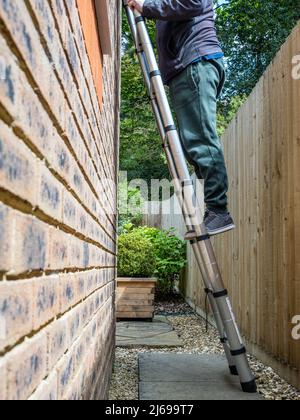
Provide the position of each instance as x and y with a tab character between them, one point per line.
192	331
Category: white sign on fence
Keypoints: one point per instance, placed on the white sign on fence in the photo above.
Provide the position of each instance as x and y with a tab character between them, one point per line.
296	67
296	329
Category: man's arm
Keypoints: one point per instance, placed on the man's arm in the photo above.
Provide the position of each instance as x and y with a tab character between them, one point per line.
173	9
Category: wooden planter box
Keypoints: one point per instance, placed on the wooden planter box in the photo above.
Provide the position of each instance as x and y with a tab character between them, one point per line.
135	298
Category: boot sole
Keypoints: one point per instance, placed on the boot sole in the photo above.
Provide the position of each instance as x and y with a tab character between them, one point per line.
224	229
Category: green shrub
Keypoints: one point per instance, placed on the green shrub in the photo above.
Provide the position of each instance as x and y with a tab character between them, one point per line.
170	254
136	255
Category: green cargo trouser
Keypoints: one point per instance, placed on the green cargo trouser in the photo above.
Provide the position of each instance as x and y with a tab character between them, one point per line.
194	94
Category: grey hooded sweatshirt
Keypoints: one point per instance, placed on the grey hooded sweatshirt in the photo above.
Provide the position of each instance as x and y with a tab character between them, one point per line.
185	32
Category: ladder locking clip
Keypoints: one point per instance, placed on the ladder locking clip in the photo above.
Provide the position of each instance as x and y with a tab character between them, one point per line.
222	293
239	352
187	183
200	239
170	128
154	73
139	19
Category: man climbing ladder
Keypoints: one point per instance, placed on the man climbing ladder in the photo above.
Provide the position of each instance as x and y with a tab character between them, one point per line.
200	239
191	63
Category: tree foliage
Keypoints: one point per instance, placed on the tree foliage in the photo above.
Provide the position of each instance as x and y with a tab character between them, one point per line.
251	32
141	153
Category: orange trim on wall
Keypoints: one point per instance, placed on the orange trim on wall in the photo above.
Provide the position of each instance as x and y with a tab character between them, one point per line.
88	16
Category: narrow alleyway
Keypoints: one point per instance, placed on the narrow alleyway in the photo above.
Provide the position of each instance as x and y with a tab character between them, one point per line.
192	331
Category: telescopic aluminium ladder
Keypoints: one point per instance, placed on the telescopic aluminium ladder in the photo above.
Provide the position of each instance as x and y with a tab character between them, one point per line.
214	287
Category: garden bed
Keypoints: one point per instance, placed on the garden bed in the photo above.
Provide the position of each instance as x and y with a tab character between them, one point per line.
135	298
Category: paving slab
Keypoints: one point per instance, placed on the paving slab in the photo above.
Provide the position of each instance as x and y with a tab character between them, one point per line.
156	334
188	377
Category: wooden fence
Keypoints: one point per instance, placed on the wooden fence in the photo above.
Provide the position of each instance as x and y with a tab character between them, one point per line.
260	260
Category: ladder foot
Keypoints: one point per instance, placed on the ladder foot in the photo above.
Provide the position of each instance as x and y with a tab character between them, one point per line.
233	371
249	387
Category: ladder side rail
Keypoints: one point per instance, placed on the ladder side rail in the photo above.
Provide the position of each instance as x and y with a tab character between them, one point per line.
203	248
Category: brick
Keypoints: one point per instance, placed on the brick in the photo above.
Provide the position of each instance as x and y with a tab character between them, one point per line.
79	351
16	311
90	302
80	287
68	291
49	198
93	328
46	292
75	390
93	378
82	378
96	256
88	335
3	379
100	321
90	365
59	252
27	367
8	83
34	121
65	373
61	159
77	252
60	15
58	340
72	391
74	323
5	238
70	211
77	181
83	219
99	299
91	281
86	255
47	390
18	166
30	244
84	313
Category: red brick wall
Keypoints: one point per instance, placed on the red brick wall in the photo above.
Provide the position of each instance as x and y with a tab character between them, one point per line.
57	211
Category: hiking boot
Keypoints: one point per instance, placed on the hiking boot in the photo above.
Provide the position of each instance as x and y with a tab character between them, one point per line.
218	222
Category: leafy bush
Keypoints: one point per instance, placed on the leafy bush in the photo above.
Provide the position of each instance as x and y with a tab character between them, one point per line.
136	256
169	251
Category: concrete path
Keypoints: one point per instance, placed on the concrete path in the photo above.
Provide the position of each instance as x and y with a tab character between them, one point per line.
177	377
156	334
